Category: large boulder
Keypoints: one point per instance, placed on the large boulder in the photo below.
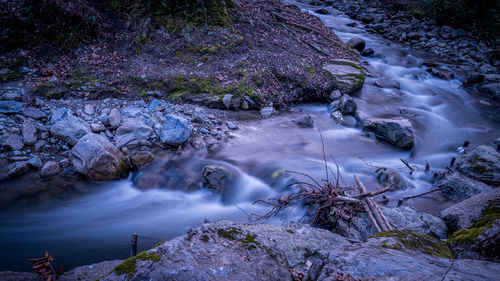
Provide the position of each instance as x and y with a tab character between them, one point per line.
466	213
459	187
348	75
356	43
396	131
230	251
132	132
492	89
361	227
481	163
216	178
176	130
98	159
70	129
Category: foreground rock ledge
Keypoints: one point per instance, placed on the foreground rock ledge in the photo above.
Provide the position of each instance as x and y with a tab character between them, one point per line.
230	251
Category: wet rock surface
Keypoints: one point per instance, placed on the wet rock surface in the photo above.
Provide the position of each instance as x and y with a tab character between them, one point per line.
397	131
482	163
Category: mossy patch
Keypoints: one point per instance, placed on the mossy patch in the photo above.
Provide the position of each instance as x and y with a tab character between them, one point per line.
129	266
228	233
418	242
488	217
290	231
204	238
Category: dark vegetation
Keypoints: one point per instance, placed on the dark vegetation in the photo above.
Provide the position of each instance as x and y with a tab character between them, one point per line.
479	16
195	51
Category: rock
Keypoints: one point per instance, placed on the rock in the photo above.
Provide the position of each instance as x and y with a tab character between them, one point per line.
356	43
347	105
96	158
10	107
29	132
18	169
389	84
335	95
397	131
59	114
447	32
337	116
131	133
464	214
474	79
216	178
19	276
348	75
266	112
458	187
139	159
231	102
322	12
492	90
230	251
35	162
90	272
155	104
441	73
70	129
13	142
368	52
391	178
34	113
50	168
175	131
481	241
231	126
89	109
114	118
361	227
97	127
481	163
305	122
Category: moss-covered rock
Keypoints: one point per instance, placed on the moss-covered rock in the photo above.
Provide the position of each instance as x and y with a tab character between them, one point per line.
129	266
348	75
418	242
482	239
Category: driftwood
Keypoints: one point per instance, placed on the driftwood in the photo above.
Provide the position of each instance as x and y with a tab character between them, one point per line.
379	220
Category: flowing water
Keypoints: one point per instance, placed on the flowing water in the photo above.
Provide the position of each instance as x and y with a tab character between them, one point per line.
97	224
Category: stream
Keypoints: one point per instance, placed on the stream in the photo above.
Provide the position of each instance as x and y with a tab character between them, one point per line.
97	225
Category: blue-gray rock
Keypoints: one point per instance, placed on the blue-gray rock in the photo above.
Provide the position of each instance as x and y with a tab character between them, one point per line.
356	43
492	89
17	169
131	133
401	218
10	107
98	159
115	118
481	163
70	129
266	112
13	142
34	113
231	126
396	131
50	168
140	158
347	75
458	187
465	213
28	131
35	162
347	105
59	114
175	131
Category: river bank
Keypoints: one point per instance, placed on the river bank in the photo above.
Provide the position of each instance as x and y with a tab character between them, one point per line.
436	109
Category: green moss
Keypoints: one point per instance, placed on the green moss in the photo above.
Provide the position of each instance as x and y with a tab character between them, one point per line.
290	231
159	243
308	253
204	238
229	233
250	242
488	217
395	246
418	242
129	266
